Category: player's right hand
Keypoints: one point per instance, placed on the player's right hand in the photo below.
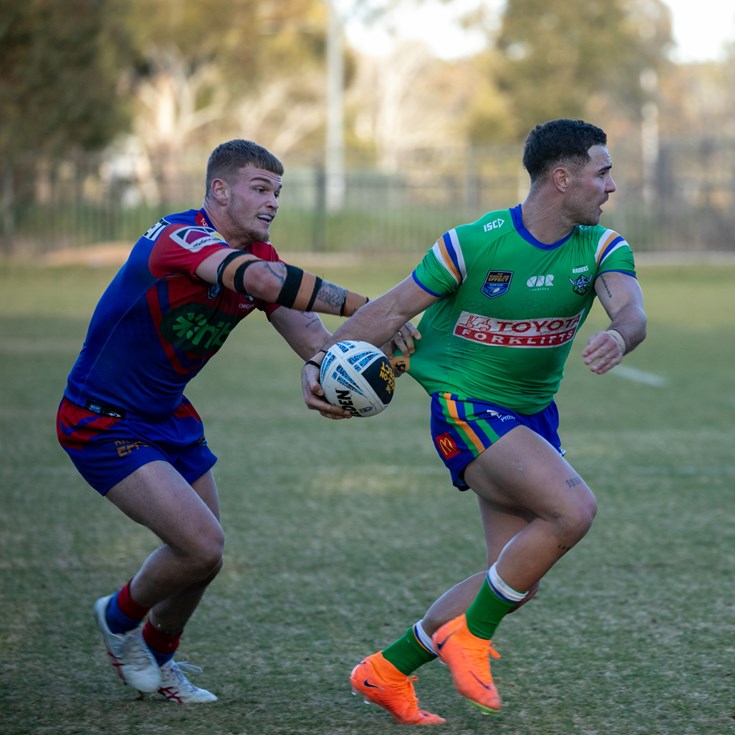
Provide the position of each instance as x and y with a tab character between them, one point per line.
314	395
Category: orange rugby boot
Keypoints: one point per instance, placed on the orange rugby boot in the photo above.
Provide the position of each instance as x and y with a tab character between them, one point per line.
468	659
381	683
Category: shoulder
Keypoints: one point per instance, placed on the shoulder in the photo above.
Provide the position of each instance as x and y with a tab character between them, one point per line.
610	249
180	242
495	222
264	251
191	231
475	237
604	240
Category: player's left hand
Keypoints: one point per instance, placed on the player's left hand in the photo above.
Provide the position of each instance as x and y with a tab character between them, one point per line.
314	395
603	352
403	342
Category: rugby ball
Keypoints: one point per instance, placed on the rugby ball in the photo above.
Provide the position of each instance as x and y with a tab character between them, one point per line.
357	376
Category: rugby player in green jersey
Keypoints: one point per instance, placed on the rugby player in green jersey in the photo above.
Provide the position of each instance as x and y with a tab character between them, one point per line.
503	299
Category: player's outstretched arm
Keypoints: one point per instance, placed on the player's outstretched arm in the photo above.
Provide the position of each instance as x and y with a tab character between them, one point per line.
278	283
622	299
387	319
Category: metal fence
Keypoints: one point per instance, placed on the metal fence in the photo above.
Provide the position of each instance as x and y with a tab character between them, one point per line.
682	200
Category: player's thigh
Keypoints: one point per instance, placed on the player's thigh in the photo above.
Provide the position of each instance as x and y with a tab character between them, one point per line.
158	497
206	488
522	472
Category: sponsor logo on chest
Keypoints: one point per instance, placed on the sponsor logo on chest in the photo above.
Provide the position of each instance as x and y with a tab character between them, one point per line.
530	333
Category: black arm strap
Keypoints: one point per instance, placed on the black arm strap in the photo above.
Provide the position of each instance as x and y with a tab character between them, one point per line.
317	286
239	275
221	267
291	285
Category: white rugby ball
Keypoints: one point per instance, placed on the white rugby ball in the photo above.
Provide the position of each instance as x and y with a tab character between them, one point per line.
357	376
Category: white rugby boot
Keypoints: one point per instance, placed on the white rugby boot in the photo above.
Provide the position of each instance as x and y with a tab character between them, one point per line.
129	655
177	688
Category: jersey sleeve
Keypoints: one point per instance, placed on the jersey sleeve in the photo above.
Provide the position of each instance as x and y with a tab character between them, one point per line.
443	269
180	248
614	254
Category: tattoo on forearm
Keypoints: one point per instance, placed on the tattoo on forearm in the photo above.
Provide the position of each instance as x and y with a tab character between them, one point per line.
574	481
331	294
310	318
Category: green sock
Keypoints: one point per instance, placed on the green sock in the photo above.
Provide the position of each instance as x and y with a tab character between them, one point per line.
486	612
407	654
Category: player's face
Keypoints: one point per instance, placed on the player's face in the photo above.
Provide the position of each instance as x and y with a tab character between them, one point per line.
591	188
253	204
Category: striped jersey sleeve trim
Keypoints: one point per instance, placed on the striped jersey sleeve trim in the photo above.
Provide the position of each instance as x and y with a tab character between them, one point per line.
609	242
424	286
449	253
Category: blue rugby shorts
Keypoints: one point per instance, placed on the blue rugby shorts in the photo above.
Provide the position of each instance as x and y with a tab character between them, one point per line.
106	445
464	428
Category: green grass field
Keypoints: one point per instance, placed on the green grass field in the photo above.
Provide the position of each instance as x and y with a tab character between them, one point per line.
341	533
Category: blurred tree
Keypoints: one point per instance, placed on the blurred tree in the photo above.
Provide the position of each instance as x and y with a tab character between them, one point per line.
562	58
206	72
60	70
393	103
58	92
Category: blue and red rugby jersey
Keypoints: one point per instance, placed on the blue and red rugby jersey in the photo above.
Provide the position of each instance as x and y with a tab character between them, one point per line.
157	324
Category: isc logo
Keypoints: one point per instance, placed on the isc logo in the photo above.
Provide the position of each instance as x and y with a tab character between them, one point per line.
494	225
540	281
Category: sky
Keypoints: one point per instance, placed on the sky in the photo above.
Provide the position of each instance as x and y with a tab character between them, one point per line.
700	29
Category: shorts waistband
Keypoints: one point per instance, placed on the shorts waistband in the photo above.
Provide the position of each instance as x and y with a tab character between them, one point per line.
104	409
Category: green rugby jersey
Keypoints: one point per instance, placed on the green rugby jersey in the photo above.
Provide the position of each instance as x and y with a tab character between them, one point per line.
511	308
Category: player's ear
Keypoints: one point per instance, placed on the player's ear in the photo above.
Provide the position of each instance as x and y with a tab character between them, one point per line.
561	177
220	191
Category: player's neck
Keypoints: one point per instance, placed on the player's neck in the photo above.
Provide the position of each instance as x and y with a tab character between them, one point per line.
233	239
544	220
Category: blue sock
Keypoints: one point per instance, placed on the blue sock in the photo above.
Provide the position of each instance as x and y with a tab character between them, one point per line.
117	622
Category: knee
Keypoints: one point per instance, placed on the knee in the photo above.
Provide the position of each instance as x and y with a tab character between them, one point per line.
205	556
212	554
576	520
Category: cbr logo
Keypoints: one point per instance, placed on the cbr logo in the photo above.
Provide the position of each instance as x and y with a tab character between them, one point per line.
446	446
540	281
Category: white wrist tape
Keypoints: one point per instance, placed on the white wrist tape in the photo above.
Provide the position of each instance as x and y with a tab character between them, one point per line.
619	339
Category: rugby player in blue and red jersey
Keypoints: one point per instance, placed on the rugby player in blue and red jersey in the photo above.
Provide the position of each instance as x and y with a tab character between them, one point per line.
124	419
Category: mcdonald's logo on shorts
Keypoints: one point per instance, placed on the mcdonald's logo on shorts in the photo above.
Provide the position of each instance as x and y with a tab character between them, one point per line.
446	446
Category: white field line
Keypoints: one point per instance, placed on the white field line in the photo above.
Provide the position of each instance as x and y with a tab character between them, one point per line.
639	376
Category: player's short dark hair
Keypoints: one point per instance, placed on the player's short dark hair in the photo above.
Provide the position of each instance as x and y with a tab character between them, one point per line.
558	141
228	158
